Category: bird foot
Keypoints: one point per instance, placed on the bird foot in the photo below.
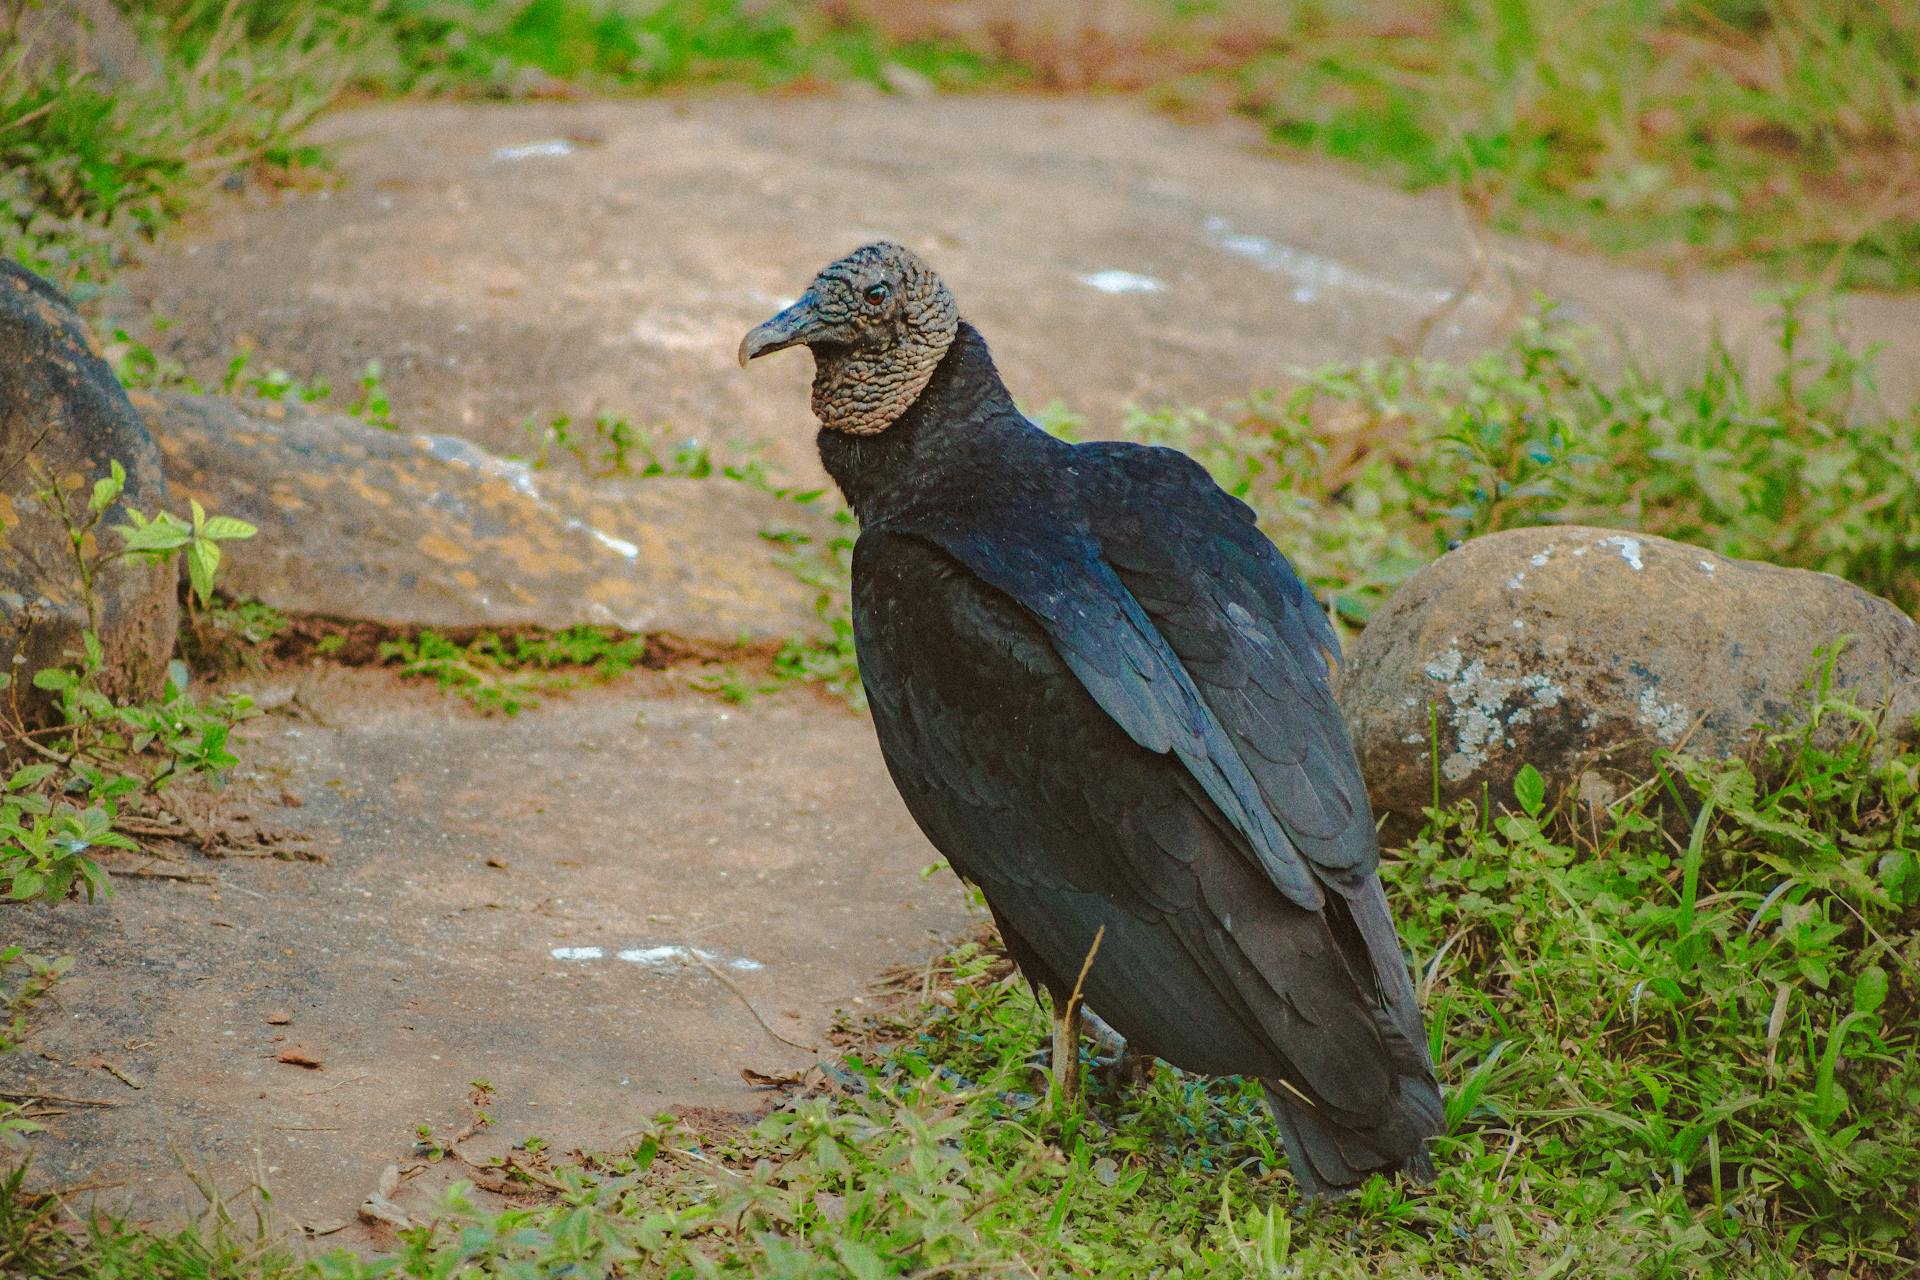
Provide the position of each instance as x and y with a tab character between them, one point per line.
1118	1063
1126	1068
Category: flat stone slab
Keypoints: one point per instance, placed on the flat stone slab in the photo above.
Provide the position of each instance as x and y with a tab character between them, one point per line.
627	824
412	530
508	261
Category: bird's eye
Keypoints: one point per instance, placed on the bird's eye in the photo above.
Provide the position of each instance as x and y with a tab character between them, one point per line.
876	294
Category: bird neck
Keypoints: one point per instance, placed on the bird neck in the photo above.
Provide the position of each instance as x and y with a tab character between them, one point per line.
964	415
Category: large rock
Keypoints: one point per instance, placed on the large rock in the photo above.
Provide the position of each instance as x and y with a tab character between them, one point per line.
412	530
64	420
1586	651
88	36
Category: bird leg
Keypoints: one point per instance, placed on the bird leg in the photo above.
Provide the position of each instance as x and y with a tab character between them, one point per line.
1114	1060
1066	1048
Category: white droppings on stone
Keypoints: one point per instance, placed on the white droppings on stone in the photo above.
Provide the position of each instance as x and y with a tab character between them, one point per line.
1313	273
1540	558
1668	720
1517	581
667	956
1706	566
1113	280
621	545
1414	739
1629	549
672	954
532	150
1519	624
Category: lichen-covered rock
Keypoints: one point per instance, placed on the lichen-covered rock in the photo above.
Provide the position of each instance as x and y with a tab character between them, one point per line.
63	421
411	530
1586	651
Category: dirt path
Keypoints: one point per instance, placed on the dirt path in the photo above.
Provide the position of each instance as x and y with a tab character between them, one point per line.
503	900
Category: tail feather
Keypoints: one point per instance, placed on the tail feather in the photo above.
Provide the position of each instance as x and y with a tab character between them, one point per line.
1329	1158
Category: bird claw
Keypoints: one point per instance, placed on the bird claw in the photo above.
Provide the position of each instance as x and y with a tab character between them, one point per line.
1124	1069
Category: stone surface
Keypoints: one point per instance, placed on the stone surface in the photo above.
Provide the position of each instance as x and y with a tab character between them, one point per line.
503	261
63	421
1573	647
503	900
433	531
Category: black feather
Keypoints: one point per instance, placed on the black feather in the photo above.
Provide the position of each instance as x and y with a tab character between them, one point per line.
1106	698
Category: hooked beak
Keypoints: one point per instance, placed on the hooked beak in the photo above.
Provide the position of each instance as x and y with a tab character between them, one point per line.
790	328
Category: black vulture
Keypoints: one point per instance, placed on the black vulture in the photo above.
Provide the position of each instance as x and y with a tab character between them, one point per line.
1107	700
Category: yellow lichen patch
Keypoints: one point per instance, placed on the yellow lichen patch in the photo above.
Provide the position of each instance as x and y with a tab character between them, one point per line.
287	500
439	546
467	578
542	560
145	401
614	592
369	493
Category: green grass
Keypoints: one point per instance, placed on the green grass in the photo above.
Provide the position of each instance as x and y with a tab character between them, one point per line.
88	173
1711	131
489	46
509	674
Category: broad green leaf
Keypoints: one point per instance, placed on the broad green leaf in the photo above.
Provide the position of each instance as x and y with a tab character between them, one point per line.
227	529
164	533
1870	990
106	489
30	775
203	558
1530	789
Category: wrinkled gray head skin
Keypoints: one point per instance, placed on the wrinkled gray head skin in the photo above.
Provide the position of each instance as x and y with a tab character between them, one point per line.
877	321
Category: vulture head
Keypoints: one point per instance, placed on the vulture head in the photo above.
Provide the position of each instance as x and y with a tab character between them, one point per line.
878	321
